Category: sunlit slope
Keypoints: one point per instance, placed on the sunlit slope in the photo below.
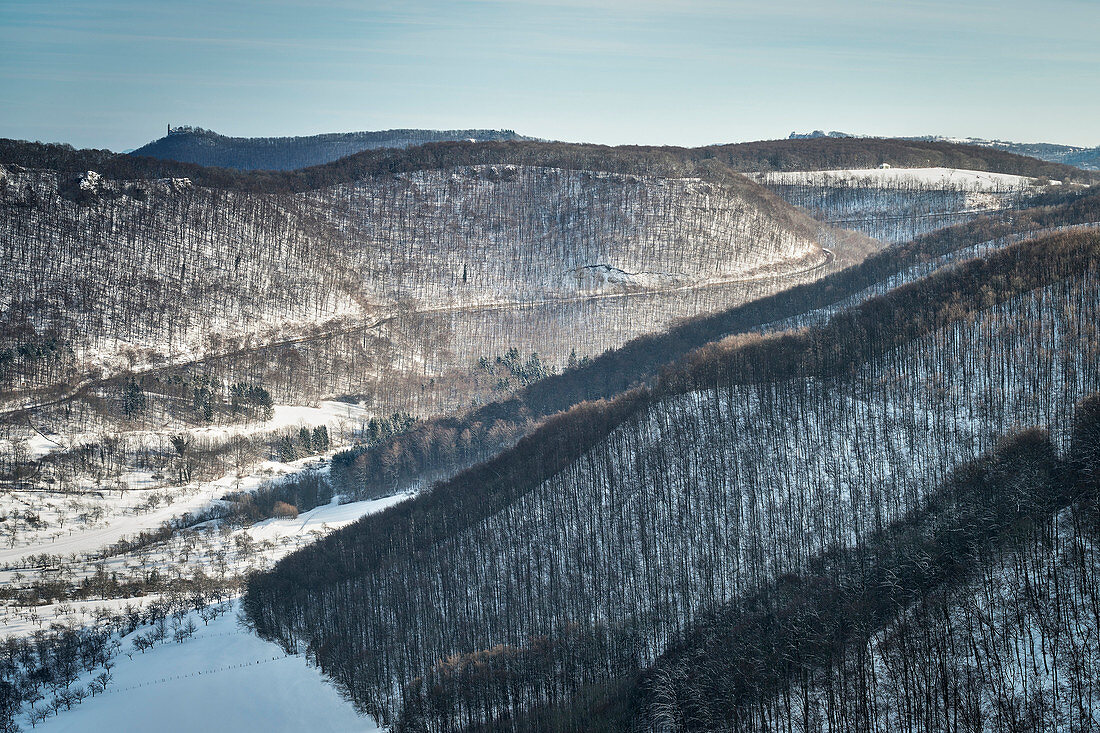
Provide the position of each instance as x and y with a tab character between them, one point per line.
109	274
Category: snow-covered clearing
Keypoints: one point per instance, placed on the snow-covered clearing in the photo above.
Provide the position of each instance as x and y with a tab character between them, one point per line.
222	679
898	204
902	177
72	536
101	512
184	277
322	519
206	548
123	512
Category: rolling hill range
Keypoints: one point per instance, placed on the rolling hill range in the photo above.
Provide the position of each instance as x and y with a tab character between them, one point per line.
206	147
391	275
516	435
111	275
1079	157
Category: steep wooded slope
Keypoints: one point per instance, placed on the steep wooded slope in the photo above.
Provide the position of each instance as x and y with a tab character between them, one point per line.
111	273
429	449
594	542
206	147
976	613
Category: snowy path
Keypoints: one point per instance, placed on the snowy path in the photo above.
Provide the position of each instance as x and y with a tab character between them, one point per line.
323	518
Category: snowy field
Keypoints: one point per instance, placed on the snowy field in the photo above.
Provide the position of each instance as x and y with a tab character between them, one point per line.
222	679
897	204
99	513
254	547
902	177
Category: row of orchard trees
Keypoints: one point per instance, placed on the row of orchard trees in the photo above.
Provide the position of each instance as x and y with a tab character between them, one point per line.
586	550
54	669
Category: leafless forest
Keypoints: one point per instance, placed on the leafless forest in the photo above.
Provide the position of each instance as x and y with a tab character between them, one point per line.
515	435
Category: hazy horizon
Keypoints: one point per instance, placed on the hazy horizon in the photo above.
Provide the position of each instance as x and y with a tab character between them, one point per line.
114	74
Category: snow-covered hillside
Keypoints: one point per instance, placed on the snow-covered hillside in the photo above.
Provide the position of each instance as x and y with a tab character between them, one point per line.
107	276
888	177
898	204
482	234
1022	632
699	498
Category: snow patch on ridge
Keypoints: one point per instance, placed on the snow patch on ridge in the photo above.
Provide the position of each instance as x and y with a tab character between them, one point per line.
902	177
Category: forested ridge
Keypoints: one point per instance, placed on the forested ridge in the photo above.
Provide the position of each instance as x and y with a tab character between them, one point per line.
441	445
583	554
967	614
777	155
976	612
206	147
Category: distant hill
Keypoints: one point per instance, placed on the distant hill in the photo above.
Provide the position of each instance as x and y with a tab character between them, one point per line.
454	235
1084	158
834	152
819	154
817	134
206	147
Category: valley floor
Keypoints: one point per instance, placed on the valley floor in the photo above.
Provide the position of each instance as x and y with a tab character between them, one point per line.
223	679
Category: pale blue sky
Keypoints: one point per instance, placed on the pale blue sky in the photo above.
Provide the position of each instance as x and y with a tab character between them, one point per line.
113	73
